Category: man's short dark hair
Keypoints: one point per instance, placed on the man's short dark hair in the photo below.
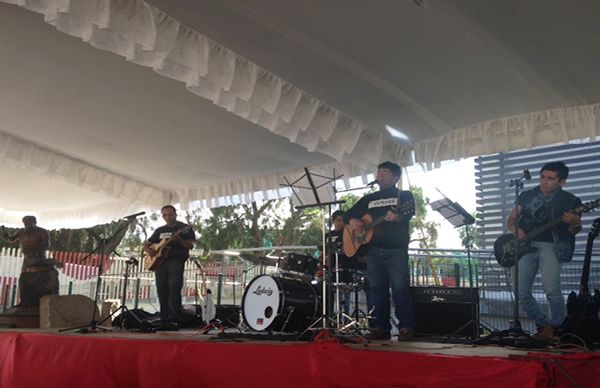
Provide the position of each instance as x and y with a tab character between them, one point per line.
168	207
32	218
336	214
559	168
393	167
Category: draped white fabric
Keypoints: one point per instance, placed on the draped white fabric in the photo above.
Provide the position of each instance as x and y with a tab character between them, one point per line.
149	37
146	36
509	133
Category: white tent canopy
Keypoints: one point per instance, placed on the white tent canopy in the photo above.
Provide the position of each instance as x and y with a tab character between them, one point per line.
109	107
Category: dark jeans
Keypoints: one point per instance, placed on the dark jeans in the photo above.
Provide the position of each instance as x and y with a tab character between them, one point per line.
169	282
389	268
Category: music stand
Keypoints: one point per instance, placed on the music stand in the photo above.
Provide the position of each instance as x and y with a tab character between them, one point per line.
454	213
312	190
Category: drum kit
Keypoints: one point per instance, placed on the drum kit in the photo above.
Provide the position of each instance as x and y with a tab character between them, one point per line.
290	300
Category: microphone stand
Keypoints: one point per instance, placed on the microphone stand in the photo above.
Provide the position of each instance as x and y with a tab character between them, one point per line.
93	326
515	332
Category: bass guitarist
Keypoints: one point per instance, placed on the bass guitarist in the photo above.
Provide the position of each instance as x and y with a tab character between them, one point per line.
387	255
176	239
536	207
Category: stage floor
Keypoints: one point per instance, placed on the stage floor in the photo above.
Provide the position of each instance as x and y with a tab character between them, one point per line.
188	358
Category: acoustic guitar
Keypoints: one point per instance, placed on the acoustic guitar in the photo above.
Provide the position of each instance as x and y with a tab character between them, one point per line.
582	310
162	250
356	243
504	246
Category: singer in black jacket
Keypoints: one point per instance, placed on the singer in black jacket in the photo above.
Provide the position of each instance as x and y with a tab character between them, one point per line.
387	257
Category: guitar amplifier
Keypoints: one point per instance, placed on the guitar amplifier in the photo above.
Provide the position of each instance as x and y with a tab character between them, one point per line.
446	311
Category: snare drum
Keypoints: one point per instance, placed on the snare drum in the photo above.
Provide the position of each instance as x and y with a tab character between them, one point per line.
270	301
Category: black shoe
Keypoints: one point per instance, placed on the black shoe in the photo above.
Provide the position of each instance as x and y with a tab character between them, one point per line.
168	326
405	334
378	334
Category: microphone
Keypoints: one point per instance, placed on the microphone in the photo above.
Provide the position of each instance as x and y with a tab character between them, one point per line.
373	183
132	261
526	174
135	215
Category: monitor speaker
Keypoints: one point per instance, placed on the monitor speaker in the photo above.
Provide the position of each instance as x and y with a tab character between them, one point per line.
446	311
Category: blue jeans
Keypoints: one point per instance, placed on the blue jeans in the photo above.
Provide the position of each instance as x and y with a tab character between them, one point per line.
389	268
546	260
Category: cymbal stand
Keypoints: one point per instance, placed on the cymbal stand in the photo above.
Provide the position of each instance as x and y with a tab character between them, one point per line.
359	320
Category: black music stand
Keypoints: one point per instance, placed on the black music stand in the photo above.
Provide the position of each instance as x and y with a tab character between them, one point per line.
310	194
458	217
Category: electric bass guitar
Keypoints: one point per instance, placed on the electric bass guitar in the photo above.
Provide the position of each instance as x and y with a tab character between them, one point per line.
356	243
504	246
162	250
582	310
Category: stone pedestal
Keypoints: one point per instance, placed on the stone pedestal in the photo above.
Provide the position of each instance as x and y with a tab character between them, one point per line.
19	317
36	282
66	311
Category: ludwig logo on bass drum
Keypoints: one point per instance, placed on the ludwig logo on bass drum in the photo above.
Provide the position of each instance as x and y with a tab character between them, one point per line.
260	290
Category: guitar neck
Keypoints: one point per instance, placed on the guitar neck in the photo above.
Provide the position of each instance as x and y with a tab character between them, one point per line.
544	228
377	221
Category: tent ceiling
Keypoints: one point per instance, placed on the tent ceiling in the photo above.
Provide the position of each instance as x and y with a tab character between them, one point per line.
460	78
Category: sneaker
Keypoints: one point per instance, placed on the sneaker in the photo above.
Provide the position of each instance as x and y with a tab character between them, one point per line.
378	334
545	333
405	334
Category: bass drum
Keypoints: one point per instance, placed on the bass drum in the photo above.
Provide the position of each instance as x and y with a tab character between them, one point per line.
270	301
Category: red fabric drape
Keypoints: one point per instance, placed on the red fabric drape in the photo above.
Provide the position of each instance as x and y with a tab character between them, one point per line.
54	360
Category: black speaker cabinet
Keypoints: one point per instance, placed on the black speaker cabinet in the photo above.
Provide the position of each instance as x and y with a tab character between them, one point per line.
446	311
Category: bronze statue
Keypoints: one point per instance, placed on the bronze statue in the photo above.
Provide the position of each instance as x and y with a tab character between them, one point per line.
39	276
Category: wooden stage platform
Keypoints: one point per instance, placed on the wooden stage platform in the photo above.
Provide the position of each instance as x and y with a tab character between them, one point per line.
48	358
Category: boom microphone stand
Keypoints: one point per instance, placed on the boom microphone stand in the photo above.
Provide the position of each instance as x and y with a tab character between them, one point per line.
93	326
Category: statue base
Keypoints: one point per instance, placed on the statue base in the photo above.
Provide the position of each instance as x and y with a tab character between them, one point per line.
20	317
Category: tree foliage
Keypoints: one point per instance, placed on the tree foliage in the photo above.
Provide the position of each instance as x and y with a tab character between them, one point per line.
425	232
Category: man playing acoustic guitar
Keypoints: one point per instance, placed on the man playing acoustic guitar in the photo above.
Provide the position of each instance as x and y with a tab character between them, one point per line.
534	208
174	240
390	209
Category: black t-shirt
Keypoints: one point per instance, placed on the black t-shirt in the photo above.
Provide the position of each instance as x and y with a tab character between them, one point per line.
387	234
176	251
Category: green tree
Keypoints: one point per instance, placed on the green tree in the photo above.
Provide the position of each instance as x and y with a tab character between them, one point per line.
421	230
476	241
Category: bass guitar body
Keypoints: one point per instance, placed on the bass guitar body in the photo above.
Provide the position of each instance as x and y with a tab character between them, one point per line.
582	310
505	252
582	316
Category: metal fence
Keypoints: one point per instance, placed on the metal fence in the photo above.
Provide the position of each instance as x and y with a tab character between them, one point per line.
228	278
